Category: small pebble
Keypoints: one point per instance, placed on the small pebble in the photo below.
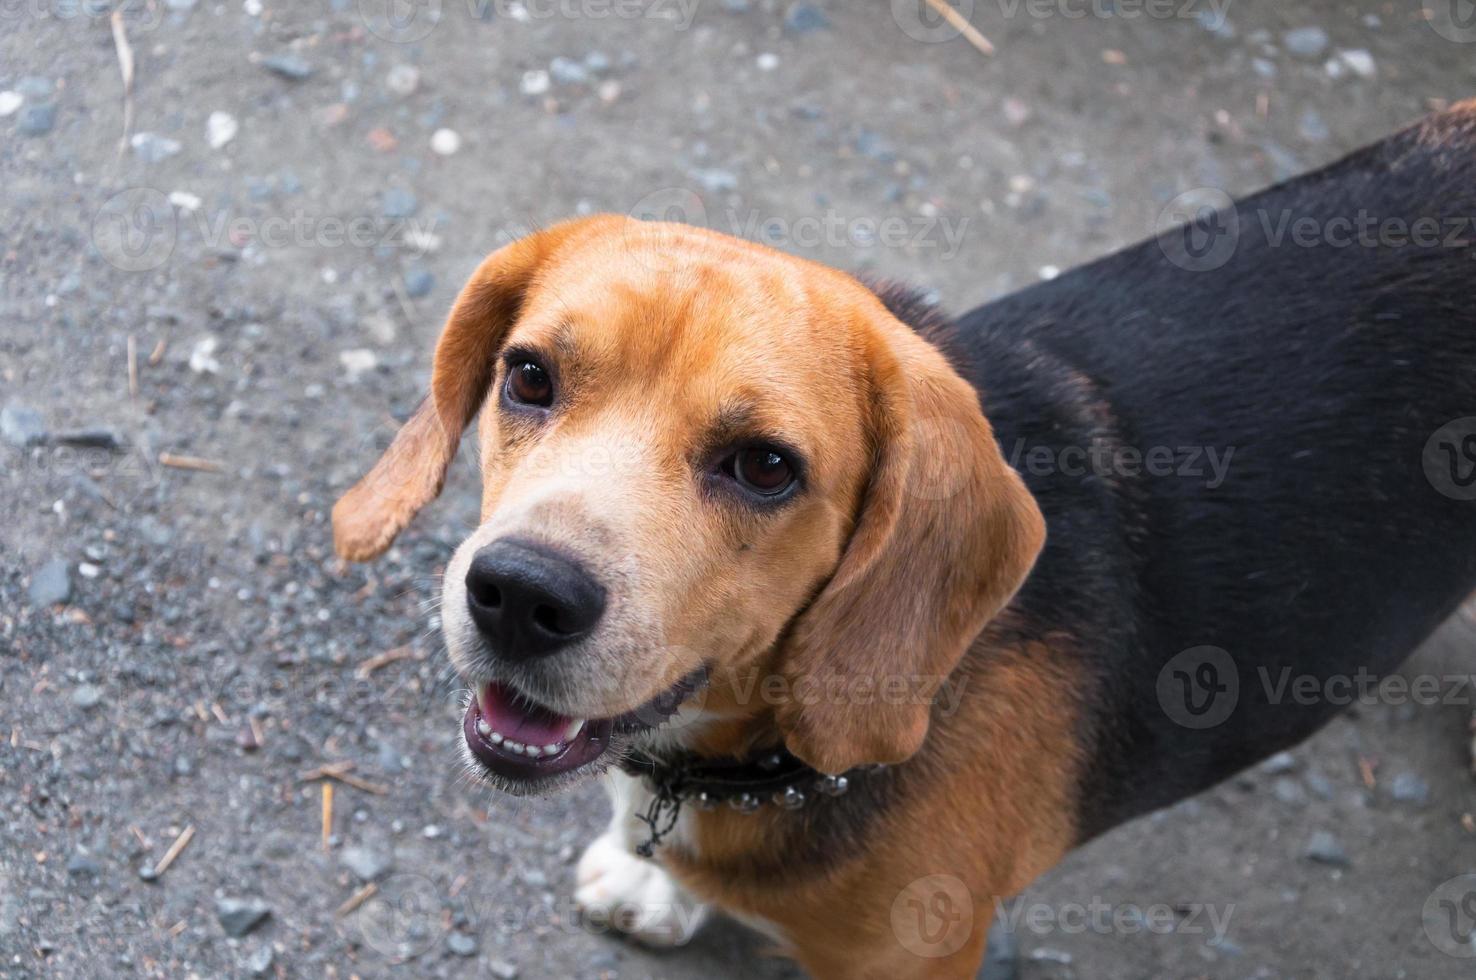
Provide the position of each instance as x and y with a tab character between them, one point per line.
10	102
503	970
398	203
804	18
366	863
461	944
403	79
220	129
259	963
419	282
239	916
37	120
1324	848
767	61
1360	62
50	584
535	82
288	66
567	71
87	696
1279	764
358	362
1305	42
1311	126
153	148
445	142
21	425
1407	787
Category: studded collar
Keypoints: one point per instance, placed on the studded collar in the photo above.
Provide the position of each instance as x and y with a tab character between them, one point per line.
774	777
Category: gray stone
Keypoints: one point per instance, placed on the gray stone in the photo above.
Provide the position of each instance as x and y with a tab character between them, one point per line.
1305	42
715	180
567	71
1311	126
50	584
153	148
35	87
288	66
87	696
36	120
461	944
398	203
259	963
21	425
1324	848
419	281
238	916
1407	787
1279	764
503	970
366	863
1289	791
82	863
803	18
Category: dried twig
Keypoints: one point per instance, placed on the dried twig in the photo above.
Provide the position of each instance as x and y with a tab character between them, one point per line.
327	813
125	68
961	24
132	366
356	899
379	660
180	843
341	771
158	353
190	463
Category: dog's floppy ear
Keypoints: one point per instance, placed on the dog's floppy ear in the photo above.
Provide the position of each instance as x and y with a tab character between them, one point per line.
410	473
946	534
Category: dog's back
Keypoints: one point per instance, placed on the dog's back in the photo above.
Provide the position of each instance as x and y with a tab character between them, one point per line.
1248	440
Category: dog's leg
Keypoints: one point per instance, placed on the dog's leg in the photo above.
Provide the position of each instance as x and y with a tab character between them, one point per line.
634	894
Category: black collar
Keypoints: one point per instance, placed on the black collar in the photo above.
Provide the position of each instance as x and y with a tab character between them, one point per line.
775	776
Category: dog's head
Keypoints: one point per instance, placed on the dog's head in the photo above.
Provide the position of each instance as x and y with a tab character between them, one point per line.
703	462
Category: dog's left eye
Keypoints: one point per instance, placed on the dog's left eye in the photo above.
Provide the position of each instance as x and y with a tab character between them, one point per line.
761	470
529	383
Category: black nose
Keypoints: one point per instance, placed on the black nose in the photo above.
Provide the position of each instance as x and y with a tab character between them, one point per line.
529	601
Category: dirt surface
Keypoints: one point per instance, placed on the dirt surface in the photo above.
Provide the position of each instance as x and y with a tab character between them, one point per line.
178	648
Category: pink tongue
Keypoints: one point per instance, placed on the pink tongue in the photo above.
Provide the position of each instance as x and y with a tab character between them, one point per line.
519	720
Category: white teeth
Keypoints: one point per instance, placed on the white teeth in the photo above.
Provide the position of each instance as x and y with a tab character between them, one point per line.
483	729
496	738
551	750
575	727
514	747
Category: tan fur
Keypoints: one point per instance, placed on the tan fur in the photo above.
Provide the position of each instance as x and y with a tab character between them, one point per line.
911	534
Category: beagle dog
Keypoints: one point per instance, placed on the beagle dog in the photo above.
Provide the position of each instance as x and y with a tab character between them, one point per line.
870	616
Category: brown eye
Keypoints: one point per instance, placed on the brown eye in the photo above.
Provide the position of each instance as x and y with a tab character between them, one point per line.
529	384
762	470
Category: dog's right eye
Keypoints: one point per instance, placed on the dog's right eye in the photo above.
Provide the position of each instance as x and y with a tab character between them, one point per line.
529	384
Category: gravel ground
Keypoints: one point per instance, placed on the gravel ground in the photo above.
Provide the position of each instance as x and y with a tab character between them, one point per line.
305	186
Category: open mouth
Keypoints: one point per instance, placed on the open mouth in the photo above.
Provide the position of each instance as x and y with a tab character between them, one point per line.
517	739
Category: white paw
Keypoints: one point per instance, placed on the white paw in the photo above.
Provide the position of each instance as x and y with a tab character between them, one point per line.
635	896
